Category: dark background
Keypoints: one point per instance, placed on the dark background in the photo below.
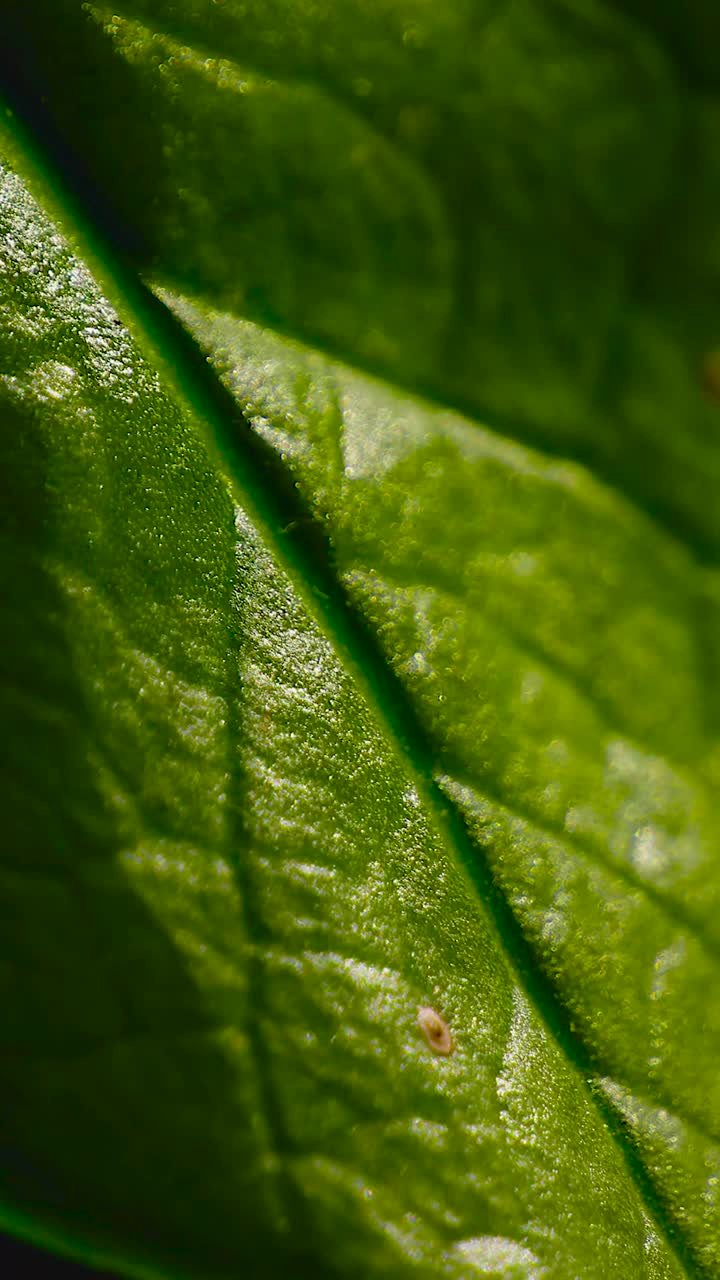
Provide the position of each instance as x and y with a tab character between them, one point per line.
20	1261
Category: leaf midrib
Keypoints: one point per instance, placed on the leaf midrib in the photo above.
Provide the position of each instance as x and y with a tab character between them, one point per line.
261	486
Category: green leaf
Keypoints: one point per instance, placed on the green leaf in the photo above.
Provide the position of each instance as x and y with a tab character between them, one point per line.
405	698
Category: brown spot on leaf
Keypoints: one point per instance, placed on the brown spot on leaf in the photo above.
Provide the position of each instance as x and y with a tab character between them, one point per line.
711	374
436	1031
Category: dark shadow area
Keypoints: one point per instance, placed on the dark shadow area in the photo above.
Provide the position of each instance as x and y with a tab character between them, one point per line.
690	33
22	1261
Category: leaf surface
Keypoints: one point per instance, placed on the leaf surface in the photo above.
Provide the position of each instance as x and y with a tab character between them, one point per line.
448	738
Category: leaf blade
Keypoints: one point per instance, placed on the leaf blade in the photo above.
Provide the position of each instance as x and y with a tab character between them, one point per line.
379	618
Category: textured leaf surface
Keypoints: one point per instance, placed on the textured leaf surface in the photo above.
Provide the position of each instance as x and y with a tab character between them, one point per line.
223	918
426	251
